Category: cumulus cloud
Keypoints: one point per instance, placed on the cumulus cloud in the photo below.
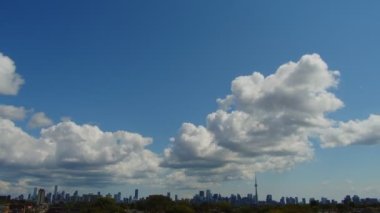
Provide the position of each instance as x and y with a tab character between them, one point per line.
87	145
17	148
39	120
75	154
65	152
10	81
353	132
265	123
12	112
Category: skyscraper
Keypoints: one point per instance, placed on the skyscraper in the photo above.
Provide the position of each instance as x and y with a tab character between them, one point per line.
136	194
256	195
55	193
202	194
34	197
269	199
41	196
208	194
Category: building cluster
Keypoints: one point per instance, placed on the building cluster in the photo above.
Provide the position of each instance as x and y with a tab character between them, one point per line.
253	199
250	199
41	197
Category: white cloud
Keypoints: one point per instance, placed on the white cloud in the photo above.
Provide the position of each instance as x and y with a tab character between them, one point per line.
17	148
88	145
359	132
66	152
265	123
10	81
12	112
69	152
39	120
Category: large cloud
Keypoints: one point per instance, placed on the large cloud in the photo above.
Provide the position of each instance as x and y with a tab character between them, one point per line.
265	123
10	81
75	154
66	152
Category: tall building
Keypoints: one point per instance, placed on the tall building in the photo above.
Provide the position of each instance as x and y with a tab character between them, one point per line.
118	197
48	197
269	198
208	194
55	195
136	194
256	195
76	195
202	194
34	197
41	197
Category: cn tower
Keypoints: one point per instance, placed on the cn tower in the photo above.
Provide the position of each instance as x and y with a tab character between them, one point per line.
256	196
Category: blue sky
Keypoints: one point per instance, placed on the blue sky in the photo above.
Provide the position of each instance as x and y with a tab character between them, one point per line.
149	66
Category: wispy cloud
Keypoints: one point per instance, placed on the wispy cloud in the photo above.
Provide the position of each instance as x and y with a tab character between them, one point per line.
12	112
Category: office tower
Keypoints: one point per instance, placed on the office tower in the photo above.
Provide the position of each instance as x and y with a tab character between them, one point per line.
208	194
176	197
238	196
55	193
347	200
202	194
136	194
48	197
76	195
356	199
168	195
41	196
269	198
35	193
118	197
250	197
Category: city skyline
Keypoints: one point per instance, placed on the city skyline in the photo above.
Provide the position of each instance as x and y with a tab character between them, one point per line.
40	197
176	97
